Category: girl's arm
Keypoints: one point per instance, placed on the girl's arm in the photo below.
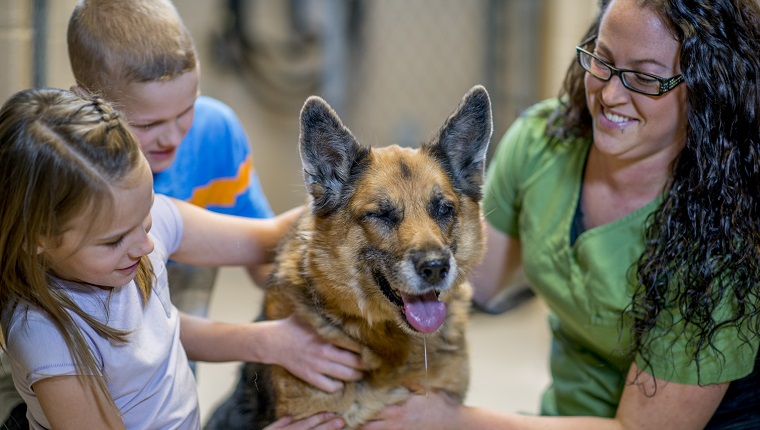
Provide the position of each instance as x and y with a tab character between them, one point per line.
673	406
286	342
70	403
212	239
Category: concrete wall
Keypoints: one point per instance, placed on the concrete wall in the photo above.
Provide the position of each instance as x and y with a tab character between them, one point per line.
15	46
565	22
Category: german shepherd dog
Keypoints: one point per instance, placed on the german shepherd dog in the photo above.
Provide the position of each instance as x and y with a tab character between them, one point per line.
381	260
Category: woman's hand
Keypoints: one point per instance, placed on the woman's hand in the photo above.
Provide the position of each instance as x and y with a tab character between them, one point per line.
434	411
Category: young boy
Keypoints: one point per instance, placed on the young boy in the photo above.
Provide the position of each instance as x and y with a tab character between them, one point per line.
140	56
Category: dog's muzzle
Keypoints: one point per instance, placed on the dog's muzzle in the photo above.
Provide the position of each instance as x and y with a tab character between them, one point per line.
423	311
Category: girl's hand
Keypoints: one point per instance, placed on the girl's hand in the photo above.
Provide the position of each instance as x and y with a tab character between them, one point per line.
299	349
322	421
285	342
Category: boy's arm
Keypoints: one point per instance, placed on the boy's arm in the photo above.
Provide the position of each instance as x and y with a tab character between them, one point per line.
211	239
70	403
286	342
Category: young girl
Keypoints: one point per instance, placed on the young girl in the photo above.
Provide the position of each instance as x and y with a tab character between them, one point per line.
93	339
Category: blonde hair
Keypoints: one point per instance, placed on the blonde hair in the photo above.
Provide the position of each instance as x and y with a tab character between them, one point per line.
114	43
60	155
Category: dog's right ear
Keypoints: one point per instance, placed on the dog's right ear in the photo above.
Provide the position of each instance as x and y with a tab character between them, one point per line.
461	144
332	158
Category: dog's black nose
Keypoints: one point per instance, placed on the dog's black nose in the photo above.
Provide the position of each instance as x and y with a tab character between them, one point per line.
432	271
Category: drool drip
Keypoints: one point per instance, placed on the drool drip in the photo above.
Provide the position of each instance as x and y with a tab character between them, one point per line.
427	383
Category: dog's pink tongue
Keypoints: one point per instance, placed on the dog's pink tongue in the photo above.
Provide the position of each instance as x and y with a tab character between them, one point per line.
425	313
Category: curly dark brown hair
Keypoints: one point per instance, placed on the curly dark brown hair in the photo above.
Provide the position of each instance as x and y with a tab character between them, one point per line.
703	241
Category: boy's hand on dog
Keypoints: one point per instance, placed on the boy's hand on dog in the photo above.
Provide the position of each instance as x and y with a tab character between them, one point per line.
311	358
323	421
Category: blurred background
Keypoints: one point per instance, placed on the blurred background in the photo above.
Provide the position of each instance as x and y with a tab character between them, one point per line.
392	69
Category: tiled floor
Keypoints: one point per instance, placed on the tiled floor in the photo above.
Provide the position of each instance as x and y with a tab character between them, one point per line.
508	352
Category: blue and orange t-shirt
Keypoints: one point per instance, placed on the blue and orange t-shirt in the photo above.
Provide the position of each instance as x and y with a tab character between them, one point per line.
214	165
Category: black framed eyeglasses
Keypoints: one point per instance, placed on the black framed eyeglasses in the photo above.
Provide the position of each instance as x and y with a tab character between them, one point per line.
640	82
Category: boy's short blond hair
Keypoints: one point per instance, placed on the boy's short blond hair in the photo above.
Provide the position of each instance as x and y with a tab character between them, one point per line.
114	43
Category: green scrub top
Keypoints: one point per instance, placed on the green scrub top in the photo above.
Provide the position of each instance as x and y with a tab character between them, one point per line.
531	193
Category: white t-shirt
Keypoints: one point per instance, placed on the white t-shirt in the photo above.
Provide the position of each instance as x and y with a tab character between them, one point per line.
148	377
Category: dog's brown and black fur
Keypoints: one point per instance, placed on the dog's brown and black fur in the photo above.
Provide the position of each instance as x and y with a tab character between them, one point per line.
381	259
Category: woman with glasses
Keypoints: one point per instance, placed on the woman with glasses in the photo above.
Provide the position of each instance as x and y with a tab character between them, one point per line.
632	205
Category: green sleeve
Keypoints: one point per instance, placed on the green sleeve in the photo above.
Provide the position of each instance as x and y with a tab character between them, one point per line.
511	165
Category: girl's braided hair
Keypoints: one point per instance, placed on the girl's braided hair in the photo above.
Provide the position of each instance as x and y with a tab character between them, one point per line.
60	155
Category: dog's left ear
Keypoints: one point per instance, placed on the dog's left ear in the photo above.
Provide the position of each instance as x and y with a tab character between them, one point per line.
461	144
331	156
